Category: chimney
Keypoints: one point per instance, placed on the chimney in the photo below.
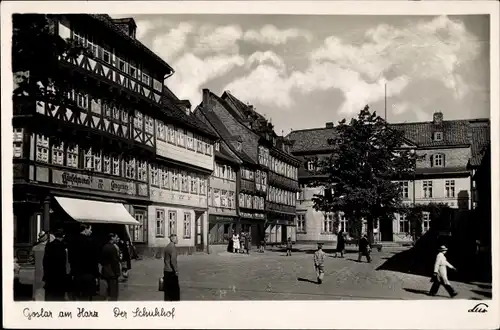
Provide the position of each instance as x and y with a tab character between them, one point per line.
329	124
437	118
206	97
127	25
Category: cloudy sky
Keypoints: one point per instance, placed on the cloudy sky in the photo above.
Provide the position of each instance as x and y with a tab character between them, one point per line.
302	71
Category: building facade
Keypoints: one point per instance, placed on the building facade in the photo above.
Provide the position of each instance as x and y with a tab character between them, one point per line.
99	144
441	175
267	176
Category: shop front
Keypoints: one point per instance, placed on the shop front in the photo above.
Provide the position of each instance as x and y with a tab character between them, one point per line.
221	228
253	223
280	227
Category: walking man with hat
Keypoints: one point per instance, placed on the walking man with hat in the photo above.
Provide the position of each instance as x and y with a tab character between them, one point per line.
440	276
319	263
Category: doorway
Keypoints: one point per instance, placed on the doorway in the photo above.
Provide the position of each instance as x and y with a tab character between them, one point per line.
386	230
199	243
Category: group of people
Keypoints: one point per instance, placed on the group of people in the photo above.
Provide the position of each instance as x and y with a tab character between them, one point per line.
240	243
74	267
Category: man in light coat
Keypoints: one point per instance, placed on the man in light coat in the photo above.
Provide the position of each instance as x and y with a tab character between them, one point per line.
440	276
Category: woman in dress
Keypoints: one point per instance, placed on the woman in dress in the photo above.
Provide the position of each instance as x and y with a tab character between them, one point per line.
236	243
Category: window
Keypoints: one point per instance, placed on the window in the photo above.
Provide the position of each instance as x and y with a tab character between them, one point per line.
116	113
88	159
301	223
116	165
92	47
165	182
344	223
82	100
107	109
449	187
404	189
241	200
199	145
217	146
180	137
172	222
133	71
122	66
138	120
184	182
190	142
223	198
106	164
427	187
404	224
137	231
145	79
426	221
187	225
230	200
124	116
18	142
310	165
210	197
194	184
155	177
72	156
18	149
58	154
150	124
208	149
438	136
249	202
160	223
328	223
438	160
42	148
130	168
142	171
171	134
79	39
97	160
106	56
174	174
203	186
217	201
160	131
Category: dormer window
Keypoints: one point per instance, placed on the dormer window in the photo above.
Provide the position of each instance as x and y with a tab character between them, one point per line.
238	145
438	136
310	165
217	146
437	160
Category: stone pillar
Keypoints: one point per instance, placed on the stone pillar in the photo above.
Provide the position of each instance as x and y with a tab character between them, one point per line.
38	290
46	215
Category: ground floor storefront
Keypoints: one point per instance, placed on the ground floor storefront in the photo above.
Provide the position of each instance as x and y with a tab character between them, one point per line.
279	227
221	229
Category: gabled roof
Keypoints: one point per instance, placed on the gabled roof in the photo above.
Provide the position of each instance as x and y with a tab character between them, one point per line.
216	126
313	139
108	22
480	141
172	110
455	133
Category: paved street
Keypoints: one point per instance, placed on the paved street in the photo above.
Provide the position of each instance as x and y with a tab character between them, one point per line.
273	276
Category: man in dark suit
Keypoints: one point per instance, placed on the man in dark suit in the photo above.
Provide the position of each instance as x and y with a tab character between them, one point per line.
171	288
110	262
55	274
84	262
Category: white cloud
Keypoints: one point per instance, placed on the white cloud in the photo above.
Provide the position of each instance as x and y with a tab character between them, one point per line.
221	39
398	56
269	34
170	44
265	57
192	72
400	108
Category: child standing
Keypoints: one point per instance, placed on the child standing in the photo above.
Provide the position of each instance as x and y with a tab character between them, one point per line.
319	260
289	247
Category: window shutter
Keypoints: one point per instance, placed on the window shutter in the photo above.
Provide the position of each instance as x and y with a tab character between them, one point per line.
432	160
444	159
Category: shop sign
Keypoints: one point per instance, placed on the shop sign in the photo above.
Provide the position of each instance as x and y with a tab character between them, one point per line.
77	180
217	218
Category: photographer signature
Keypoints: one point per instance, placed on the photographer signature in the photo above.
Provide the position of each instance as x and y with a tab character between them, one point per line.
479	308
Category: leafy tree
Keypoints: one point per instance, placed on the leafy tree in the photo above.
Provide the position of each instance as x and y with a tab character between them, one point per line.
36	54
360	174
439	216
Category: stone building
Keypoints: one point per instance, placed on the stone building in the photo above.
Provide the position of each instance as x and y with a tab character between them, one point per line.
92	157
267	175
441	176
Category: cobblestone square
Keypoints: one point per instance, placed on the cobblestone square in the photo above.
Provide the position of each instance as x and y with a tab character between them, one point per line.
273	276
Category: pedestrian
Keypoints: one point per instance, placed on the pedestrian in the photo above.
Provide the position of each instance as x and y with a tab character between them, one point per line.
249	247
84	263
364	249
125	260
340	244
171	288
289	247
440	276
242	241
247	242
110	262
236	243
319	263
55	273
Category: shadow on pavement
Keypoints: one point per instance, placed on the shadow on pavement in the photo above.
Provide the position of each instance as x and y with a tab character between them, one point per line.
483	293
422	292
419	260
301	279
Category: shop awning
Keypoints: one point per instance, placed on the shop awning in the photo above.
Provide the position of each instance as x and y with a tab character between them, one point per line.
87	211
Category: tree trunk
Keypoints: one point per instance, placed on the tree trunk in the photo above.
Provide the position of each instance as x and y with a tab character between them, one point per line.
369	229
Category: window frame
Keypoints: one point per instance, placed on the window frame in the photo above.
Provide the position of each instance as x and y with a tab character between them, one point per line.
172	222
160	220
186	225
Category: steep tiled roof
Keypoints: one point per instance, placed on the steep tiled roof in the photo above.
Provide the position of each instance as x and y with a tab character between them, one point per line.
455	132
314	139
172	111
480	140
218	126
108	21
